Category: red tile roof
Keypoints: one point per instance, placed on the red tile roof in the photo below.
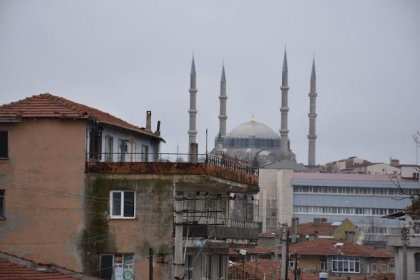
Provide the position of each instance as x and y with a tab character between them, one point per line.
331	247
263	269
324	228
16	268
50	106
11	271
251	250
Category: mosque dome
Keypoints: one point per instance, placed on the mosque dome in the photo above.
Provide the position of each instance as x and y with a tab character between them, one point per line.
252	129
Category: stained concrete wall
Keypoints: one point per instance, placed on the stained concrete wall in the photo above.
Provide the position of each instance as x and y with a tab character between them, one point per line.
152	226
43	181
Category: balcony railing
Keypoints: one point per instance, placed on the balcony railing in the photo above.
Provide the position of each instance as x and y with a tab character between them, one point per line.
221	229
103	161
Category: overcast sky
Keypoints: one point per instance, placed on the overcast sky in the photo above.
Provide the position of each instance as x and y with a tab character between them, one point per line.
127	57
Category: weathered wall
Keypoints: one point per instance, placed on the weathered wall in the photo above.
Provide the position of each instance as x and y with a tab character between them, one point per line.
43	181
151	228
309	264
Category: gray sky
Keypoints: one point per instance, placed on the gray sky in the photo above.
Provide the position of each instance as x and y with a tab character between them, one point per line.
127	57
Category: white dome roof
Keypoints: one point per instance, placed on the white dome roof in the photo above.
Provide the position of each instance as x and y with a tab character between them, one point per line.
253	129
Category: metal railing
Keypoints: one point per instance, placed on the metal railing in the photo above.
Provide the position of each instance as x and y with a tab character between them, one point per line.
227	163
231	223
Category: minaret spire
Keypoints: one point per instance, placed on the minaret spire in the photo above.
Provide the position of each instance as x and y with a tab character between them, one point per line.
222	114
312	117
222	98
192	132
284	109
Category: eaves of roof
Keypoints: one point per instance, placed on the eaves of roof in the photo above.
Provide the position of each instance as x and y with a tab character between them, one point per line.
50	106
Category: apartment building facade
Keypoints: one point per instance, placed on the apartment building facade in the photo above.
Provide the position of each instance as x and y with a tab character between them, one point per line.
82	189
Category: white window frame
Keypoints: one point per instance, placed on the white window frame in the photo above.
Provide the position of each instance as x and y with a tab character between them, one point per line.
111	205
345	264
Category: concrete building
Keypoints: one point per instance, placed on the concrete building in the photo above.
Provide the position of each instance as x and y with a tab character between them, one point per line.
407	244
361	198
82	189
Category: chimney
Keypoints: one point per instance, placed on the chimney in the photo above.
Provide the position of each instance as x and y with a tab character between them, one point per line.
158	128
394	162
350	236
317	221
149	120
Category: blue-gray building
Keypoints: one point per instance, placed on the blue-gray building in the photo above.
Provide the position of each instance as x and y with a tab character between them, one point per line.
362	198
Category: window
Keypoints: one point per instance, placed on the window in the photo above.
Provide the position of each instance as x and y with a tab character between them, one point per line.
417	262
123	150
95	143
116	266
383	268
373	267
122	204
2	204
189	267
345	264
109	148
324	264
206	267
222	265
144	153
4	142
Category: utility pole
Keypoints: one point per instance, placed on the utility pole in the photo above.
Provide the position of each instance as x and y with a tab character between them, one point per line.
284	251
276	253
405	237
150	263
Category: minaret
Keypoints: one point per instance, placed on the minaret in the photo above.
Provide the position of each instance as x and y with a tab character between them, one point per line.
312	117
222	98
284	109
192	132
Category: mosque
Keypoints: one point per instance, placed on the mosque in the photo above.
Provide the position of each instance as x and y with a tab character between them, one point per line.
252	141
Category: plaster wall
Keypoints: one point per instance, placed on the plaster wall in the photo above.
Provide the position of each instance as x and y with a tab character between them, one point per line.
152	226
275	187
267	182
43	180
382	168
284	196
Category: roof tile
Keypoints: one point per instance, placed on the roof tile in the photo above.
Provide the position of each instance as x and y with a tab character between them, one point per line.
332	247
50	106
